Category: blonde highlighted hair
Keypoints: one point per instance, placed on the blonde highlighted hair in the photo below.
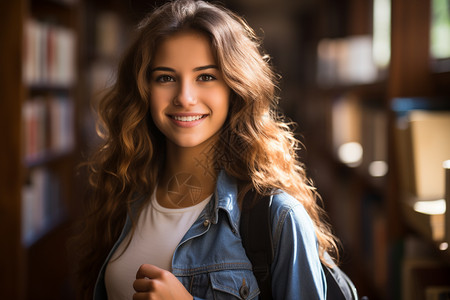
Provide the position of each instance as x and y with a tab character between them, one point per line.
256	145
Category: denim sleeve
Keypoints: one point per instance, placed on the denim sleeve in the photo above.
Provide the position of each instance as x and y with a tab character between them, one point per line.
296	269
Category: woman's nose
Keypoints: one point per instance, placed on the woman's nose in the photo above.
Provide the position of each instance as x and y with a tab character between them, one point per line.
186	95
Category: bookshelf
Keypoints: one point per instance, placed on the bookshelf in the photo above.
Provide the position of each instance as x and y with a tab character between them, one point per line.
350	117
39	58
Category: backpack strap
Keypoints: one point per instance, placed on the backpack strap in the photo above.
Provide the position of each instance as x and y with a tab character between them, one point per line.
339	285
256	234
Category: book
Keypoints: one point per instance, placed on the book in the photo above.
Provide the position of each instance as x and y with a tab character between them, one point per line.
422	142
343	61
62	128
49	128
430	143
34	115
346	129
374	137
49	56
42	204
422	135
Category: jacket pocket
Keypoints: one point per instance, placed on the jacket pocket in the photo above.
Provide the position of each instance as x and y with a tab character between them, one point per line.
234	284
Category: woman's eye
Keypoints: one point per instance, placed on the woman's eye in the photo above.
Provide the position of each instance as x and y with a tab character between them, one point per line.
164	78
206	77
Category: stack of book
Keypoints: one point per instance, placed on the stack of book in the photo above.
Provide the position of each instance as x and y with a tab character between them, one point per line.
423	145
42	206
48	127
49	55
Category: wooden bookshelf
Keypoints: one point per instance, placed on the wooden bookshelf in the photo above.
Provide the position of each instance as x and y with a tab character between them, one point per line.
11	251
39	57
370	214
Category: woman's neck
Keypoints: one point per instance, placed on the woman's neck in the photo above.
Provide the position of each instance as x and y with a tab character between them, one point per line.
188	177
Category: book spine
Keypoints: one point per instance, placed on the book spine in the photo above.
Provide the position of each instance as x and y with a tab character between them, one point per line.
49	55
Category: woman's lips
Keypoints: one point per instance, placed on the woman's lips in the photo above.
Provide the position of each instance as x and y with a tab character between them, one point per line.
187	120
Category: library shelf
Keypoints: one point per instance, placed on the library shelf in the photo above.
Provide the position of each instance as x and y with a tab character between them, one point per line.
38	109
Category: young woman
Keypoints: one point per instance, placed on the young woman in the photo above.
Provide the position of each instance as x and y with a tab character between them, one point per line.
189	127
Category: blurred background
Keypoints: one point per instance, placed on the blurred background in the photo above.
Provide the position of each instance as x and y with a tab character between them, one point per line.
367	81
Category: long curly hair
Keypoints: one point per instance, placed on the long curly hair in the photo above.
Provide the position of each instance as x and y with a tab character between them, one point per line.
256	145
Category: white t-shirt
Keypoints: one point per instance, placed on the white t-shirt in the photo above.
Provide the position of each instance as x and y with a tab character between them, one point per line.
158	232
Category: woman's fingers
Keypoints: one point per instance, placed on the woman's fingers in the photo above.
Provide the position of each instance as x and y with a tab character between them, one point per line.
156	283
142	296
142	285
149	271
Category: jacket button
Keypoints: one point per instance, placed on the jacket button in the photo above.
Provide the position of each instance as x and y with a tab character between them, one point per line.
206	223
244	291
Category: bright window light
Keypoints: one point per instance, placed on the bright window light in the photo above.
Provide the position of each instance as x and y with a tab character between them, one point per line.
440	29
351	154
433	207
446	164
378	168
382	32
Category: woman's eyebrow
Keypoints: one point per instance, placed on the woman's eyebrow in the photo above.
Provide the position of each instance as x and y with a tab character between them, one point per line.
201	68
205	68
163	69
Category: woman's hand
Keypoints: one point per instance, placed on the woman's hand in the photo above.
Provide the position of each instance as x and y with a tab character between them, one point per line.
155	283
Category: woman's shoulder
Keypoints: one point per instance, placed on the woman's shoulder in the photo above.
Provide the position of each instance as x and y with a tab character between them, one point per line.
282	200
285	207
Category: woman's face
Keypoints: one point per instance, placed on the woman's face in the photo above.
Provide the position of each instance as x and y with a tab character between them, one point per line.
189	98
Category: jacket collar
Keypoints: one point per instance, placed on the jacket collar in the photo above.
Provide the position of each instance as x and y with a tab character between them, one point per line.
225	198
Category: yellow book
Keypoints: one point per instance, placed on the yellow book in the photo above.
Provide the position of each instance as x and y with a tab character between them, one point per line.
430	141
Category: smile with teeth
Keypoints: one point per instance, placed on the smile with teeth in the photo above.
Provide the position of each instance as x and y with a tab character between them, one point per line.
187	118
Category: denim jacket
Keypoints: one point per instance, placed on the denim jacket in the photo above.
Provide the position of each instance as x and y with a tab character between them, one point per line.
210	260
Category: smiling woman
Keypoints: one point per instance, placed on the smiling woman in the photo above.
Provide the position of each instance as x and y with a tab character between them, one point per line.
190	126
189	98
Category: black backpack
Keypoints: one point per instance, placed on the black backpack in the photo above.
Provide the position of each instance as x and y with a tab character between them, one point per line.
256	236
